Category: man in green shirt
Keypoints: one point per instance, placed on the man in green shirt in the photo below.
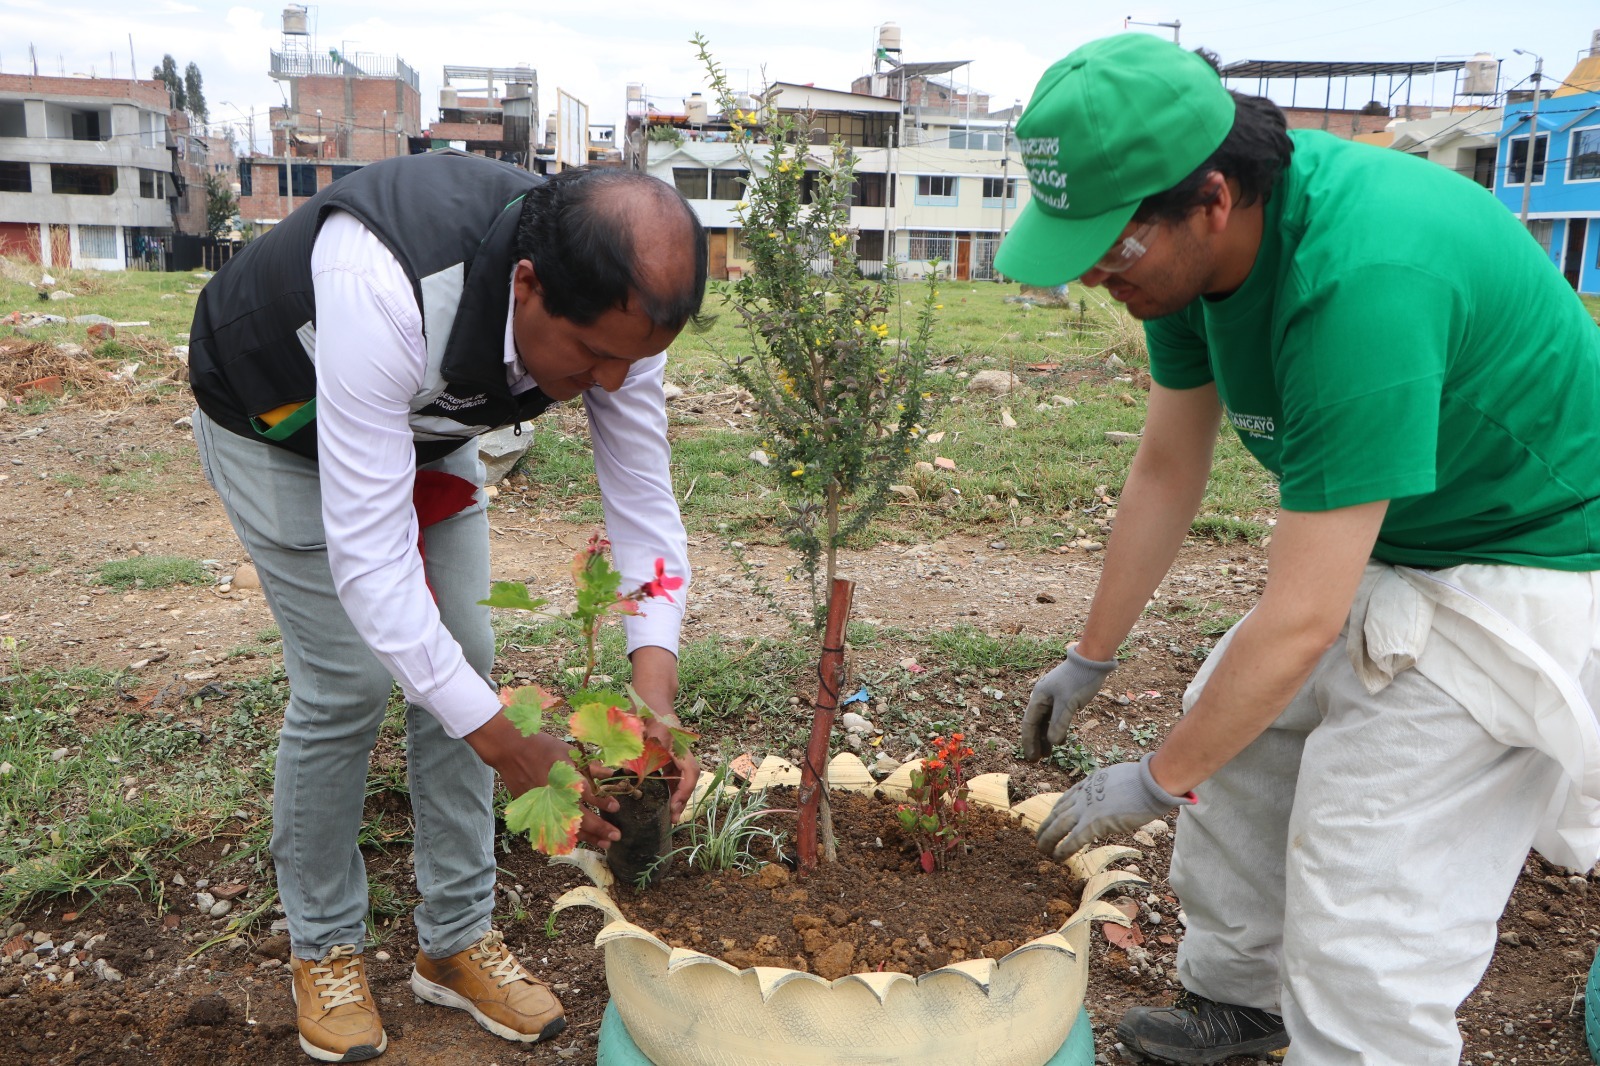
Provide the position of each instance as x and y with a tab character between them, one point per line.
1368	756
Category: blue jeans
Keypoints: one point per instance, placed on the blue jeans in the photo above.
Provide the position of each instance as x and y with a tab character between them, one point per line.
337	694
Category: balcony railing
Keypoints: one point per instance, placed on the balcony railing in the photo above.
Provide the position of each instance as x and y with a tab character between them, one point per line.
334	65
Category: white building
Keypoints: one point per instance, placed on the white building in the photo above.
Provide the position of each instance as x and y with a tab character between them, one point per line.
929	186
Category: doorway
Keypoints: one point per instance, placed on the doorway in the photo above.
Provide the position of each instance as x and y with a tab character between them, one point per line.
1572	260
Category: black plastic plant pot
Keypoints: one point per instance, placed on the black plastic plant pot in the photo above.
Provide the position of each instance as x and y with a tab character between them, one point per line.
646	824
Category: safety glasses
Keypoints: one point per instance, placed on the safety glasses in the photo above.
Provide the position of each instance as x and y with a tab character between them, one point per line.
1127	251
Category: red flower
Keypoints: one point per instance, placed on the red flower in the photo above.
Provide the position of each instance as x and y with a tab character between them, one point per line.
662	584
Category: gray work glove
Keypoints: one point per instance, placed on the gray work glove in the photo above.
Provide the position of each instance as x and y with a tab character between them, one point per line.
1057	696
1116	799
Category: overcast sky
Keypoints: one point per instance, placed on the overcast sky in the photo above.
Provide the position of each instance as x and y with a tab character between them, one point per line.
594	48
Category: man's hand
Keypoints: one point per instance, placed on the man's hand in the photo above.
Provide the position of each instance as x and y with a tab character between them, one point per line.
655	679
524	763
1057	696
1117	799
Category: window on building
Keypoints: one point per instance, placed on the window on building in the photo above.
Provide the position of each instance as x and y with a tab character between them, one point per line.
80	179
1483	167
1519	159
244	178
15	177
928	244
152	129
98	242
870	130
868	190
869	246
342	170
91	125
996	189
1584	163
1541	229
303	177
936	190
691	182
13	119
152	185
978	140
728	184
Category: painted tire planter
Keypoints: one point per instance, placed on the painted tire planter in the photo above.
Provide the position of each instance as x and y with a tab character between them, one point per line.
688	1008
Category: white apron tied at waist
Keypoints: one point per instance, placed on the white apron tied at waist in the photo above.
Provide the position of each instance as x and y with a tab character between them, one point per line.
1519	648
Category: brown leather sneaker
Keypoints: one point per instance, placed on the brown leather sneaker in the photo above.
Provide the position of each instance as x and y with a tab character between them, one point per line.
337	1015
488	982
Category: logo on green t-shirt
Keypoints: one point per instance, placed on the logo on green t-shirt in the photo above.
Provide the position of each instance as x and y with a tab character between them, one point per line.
1261	426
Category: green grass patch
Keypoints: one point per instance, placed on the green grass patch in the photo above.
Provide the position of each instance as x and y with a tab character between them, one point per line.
152	572
162	299
966	647
87	813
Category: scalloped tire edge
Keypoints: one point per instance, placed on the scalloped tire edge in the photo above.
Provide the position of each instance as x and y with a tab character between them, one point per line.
618	1049
1591	1010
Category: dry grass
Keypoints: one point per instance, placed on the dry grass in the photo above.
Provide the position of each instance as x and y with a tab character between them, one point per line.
94	379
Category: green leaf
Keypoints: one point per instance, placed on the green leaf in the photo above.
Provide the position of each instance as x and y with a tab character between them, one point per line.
513	595
615	734
682	741
525	707
550	814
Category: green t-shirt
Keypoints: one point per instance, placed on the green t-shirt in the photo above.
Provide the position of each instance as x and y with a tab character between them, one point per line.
1401	337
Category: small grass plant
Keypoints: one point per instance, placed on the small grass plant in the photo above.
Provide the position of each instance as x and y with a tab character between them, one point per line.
152	572
725	831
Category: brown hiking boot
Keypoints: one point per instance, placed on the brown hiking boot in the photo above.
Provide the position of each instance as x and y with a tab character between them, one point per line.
488	982
337	1016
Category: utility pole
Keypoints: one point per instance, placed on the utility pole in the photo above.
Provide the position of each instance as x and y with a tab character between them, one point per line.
1005	175
1533	133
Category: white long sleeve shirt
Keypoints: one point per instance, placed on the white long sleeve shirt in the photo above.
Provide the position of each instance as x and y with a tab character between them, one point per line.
371	360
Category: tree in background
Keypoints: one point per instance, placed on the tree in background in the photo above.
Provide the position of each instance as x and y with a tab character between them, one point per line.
221	206
167	74
194	97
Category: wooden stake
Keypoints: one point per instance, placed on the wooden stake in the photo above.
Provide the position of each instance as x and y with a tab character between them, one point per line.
830	671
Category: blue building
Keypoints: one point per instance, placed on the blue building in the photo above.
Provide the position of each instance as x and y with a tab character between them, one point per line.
1562	184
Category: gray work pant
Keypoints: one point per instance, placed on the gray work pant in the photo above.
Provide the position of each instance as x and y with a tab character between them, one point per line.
338	691
1348	868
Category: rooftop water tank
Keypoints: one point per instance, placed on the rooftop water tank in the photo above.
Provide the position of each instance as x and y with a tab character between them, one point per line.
695	109
294	19
449	97
635	91
1482	74
889	36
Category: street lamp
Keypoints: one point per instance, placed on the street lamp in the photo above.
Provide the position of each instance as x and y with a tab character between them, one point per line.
1174	25
249	118
1533	132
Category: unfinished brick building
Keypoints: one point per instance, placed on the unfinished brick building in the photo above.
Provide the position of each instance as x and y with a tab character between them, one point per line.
343	112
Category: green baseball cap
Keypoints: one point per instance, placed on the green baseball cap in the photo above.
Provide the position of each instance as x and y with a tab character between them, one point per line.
1119	119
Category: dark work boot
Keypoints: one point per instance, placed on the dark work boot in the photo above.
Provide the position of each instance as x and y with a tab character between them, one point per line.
1194	1030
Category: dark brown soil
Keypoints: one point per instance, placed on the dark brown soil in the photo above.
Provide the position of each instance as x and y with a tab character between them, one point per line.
874	909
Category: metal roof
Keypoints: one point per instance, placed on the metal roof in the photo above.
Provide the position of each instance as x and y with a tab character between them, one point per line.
927	70
1316	68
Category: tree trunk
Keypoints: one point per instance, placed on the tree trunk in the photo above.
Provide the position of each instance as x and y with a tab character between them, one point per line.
814	771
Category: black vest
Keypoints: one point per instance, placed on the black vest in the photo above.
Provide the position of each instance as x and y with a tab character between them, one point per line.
451	221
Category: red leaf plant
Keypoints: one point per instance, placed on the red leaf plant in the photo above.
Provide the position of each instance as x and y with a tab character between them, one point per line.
938	802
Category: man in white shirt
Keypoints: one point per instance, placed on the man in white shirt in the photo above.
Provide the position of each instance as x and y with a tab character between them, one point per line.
367	340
